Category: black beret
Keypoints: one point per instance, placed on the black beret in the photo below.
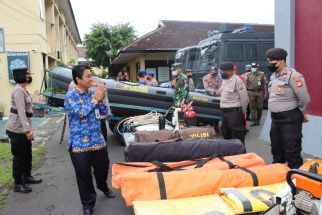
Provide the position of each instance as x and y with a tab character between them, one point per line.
276	54
226	66
19	72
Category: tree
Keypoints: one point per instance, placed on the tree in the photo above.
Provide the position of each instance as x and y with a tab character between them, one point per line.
104	41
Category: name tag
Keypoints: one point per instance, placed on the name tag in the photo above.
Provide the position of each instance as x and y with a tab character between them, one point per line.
97	114
259	83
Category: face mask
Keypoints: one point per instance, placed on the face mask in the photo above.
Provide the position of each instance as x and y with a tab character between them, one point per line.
272	67
174	73
224	75
29	80
253	69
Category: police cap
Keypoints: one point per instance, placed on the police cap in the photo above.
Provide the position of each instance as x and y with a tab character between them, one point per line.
276	54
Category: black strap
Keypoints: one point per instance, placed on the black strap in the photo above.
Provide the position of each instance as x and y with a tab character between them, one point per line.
162	167
163	192
254	176
230	164
201	163
14	111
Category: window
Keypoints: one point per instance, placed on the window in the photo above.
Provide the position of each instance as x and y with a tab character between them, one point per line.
252	51
1	40
235	51
265	47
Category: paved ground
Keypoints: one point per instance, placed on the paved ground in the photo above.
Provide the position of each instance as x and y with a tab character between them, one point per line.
58	194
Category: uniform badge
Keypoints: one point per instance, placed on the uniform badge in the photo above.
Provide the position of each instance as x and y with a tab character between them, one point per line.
298	80
279	89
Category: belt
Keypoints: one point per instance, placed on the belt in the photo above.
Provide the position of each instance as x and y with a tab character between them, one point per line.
254	90
284	114
12	110
227	110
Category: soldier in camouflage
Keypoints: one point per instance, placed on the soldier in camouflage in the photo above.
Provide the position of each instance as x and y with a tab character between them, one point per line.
180	85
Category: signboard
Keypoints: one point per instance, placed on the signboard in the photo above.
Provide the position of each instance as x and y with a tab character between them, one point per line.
17	60
163	74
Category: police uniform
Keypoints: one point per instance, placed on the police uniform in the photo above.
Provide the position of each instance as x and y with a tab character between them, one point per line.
233	105
212	84
18	125
288	100
255	83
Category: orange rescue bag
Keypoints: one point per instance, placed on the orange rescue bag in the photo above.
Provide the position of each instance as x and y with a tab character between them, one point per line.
196	182
215	162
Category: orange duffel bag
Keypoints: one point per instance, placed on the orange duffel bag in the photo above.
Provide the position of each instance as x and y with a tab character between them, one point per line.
196	182
215	162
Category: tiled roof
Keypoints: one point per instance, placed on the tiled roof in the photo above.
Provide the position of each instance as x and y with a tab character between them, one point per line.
173	35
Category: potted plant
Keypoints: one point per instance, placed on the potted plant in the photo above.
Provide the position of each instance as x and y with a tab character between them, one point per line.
2	109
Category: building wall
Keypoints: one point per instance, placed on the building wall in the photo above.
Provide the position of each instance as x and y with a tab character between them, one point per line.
308	49
164	56
25	30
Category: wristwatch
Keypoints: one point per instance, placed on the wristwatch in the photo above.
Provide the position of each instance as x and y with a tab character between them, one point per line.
96	101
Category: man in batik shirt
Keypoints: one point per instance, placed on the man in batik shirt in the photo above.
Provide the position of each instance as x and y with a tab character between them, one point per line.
87	147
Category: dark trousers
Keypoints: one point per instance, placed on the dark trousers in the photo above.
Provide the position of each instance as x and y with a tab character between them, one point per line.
83	163
232	124
22	156
256	101
104	129
286	137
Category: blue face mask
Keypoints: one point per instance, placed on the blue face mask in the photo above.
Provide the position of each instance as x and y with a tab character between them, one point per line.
253	69
224	75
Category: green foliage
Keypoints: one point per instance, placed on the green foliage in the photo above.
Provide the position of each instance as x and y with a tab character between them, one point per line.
2	107
104	41
54	90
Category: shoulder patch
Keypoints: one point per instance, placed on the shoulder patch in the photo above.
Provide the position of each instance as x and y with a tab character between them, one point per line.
298	80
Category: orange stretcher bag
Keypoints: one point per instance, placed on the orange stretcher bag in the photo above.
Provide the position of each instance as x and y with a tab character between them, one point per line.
196	182
215	162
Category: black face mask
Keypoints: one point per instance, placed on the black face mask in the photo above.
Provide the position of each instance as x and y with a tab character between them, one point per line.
29	80
272	67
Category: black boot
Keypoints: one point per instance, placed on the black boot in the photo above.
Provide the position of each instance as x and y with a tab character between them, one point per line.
109	193
21	188
88	211
32	180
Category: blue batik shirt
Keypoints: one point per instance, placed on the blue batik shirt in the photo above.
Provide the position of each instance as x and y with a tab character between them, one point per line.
84	124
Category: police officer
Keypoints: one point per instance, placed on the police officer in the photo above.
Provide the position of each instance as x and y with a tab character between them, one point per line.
256	84
20	132
233	103
188	73
212	82
288	101
247	69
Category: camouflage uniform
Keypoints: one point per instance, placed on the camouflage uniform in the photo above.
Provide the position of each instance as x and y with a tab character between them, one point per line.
255	83
181	89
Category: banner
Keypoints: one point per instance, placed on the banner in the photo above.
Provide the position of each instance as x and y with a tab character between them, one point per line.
17	60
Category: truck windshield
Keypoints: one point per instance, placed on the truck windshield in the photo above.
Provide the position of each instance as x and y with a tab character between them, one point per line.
209	56
179	57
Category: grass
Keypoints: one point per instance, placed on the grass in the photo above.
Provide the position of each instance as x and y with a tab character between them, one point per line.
6	179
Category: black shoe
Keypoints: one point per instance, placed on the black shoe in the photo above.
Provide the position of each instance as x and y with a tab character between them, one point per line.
109	194
88	211
32	180
21	188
